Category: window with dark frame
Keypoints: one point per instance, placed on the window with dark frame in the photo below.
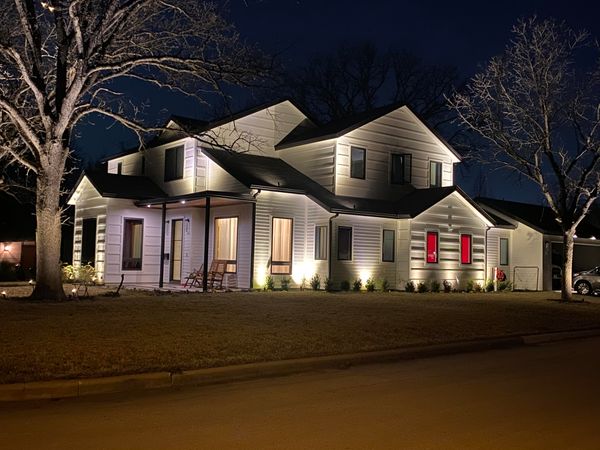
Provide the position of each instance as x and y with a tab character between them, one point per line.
466	249
174	163
281	246
358	158
432	244
435	174
320	242
503	251
344	243
133	237
388	246
401	168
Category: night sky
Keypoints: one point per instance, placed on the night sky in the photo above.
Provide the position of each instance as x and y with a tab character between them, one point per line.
460	33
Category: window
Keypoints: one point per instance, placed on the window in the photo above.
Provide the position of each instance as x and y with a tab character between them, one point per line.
281	246
320	242
226	232
432	247
466	251
344	243
387	254
133	232
357	162
503	252
88	241
174	163
401	169
119	168
435	174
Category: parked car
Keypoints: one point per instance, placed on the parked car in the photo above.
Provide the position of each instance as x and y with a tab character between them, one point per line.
588	281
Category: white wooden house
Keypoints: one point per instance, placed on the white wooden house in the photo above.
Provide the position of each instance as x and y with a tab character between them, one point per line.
368	197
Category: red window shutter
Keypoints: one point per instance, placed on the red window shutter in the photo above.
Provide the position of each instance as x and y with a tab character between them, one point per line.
432	247
465	248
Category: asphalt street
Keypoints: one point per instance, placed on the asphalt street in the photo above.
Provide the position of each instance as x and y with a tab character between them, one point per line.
536	397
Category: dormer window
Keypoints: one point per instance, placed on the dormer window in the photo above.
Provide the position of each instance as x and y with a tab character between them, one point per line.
174	163
401	169
358	158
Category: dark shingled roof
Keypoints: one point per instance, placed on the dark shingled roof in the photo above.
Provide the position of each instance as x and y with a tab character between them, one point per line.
123	186
540	218
262	172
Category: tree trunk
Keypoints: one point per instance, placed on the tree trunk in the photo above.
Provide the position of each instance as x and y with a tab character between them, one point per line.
48	236
567	267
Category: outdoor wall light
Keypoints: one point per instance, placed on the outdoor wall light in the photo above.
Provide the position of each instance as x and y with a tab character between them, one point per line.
183	202
31	282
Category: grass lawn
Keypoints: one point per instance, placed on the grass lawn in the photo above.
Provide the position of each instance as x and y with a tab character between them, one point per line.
141	332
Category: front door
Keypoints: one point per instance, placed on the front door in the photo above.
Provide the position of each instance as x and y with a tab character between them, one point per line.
176	248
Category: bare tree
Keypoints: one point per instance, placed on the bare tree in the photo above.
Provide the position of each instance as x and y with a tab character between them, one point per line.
358	78
62	60
541	118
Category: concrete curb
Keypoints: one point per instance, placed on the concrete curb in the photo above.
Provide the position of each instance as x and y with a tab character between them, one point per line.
41	390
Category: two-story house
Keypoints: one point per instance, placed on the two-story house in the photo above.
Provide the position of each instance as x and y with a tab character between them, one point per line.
274	194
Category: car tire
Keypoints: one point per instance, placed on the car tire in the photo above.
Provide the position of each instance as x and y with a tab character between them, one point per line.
583	288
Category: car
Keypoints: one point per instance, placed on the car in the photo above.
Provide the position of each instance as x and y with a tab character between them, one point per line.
587	282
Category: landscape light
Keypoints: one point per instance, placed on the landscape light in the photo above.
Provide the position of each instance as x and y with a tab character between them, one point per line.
31	282
3	294
7	247
183	202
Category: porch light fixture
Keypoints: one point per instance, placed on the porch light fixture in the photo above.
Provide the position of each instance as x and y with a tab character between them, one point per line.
147	206
31	282
183	202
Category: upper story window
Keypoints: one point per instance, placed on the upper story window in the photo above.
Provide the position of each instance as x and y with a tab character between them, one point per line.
401	169
435	174
174	163
358	158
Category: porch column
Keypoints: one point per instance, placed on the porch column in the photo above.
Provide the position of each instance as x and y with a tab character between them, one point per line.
252	244
206	238
161	268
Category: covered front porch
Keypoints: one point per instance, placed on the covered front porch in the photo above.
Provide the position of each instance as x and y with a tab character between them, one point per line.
197	229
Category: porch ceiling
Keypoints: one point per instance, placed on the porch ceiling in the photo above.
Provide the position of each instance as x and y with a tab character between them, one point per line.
197	200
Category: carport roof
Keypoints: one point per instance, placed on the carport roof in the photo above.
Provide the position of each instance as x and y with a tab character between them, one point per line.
540	218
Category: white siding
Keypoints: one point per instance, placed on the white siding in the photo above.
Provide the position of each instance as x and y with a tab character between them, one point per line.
450	217
305	215
493	252
155	167
316	161
220	180
396	132
131	164
367	238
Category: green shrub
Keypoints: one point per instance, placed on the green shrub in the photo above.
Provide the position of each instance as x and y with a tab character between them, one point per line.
470	285
285	284
477	287
435	286
357	285
409	287
504	286
489	285
315	282
447	286
422	287
269	283
345	285
328	284
385	285
370	284
82	274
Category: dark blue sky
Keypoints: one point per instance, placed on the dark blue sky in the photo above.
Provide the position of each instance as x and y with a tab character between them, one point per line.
461	33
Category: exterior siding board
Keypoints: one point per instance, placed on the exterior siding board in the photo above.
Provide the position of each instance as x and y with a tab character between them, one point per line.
316	161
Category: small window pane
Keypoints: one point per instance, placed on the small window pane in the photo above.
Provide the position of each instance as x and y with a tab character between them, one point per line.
132	244
388	245
226	230
357	162
344	243
435	174
119	168
320	242
281	246
401	169
432	247
503	252
465	249
174	163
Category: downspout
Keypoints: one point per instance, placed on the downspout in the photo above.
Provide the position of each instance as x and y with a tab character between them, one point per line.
161	268
485	257
329	269
253	238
